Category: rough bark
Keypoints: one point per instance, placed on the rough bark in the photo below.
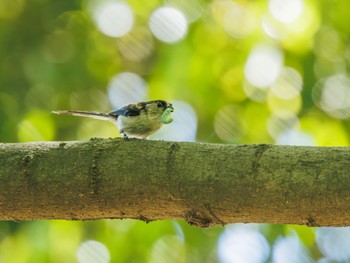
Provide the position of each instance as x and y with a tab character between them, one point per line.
203	184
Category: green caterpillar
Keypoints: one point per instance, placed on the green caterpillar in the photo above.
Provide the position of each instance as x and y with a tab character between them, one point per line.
166	118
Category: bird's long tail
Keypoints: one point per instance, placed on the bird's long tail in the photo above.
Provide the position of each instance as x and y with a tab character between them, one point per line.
89	114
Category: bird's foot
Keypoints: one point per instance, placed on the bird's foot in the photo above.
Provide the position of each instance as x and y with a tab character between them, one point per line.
124	136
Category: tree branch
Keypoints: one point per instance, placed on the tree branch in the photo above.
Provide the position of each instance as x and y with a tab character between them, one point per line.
204	184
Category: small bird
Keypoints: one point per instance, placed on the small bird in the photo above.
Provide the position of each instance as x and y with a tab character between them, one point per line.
135	120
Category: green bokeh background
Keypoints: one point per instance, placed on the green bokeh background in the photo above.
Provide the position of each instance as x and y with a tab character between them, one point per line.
52	56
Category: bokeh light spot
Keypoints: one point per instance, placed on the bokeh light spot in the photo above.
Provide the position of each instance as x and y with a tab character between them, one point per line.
169	248
332	95
168	24
263	66
237	19
242	244
286	11
114	19
295	137
281	121
93	252
294	35
328	44
137	45
324	67
270	28
288	84
191	9
179	231
254	93
229	124
290	250
276	104
127	88
334	242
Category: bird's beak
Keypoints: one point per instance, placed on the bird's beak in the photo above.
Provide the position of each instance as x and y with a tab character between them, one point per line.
170	107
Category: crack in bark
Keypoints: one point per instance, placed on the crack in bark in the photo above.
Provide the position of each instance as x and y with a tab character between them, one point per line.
27	168
144	219
94	172
197	218
26	160
260	150
218	220
169	163
311	222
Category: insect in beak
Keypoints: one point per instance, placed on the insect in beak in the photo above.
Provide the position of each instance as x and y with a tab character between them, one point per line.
166	118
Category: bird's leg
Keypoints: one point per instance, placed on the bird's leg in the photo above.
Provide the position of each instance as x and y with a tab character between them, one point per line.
124	135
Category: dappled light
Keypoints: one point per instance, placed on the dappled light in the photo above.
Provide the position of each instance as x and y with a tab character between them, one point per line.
237	19
169	248
114	19
263	66
281	121
93	252
286	11
334	243
229	124
236	72
242	244
295	137
192	10
137	45
290	250
168	24
332	95
126	87
288	84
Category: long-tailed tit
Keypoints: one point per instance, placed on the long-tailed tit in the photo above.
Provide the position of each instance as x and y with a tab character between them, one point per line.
136	120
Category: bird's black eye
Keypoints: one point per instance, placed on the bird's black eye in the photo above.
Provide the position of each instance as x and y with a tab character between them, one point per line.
159	105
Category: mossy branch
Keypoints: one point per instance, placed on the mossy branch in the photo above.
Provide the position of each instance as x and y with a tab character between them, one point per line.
203	184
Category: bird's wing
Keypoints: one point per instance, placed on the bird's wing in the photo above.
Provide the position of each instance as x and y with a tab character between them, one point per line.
129	110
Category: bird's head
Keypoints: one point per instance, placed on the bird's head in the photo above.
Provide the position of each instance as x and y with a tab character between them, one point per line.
159	109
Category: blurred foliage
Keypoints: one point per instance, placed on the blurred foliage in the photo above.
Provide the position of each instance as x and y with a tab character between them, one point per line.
263	71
